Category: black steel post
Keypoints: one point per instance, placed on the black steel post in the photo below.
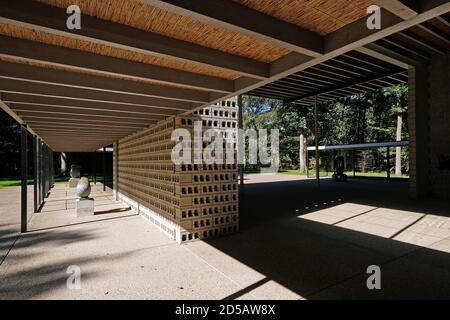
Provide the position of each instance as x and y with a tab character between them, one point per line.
52	171
95	167
241	127
24	182
307	162
44	171
104	168
41	173
354	163
39	165
334	159
316	138
35	173
388	162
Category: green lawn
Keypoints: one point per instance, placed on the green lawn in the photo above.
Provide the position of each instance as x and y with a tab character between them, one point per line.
12	183
379	175
16	182
303	173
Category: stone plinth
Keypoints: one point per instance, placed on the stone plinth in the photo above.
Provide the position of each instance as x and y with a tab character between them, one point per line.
85	207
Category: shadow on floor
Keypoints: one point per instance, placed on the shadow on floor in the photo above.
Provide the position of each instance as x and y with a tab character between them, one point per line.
323	261
37	276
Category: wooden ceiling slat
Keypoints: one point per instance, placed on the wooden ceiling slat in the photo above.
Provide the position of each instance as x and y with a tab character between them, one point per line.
52	20
31	73
40	89
27	50
233	16
81	105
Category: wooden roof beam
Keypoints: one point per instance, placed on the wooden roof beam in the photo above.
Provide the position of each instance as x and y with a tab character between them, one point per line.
403	9
407	9
45	90
233	16
82	112
31	51
18	71
52	20
348	38
83	105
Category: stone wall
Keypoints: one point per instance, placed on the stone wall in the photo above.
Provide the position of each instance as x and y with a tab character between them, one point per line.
429	128
439	99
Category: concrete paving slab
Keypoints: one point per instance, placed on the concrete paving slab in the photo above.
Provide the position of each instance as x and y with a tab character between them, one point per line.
289	247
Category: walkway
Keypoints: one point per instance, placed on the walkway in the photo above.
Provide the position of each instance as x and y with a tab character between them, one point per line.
297	241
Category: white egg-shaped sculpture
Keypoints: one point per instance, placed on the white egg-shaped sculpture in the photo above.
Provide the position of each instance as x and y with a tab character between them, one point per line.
83	188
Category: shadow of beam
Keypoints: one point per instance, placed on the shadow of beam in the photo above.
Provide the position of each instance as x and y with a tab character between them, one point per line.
81	223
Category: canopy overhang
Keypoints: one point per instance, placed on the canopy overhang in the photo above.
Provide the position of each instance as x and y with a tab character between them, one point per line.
134	63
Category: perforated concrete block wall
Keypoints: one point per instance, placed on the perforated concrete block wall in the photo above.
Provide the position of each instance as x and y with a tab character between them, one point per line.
186	201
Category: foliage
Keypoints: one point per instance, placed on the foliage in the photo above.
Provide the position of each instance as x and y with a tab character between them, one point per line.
9	146
368	117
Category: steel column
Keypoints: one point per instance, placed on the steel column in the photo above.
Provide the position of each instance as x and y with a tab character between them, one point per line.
316	139
241	127
95	167
35	173
104	168
24	182
388	162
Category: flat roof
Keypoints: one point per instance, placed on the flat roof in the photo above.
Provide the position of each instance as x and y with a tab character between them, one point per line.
136	62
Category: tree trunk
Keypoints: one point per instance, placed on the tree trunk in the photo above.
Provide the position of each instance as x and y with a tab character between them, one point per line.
398	152
302	156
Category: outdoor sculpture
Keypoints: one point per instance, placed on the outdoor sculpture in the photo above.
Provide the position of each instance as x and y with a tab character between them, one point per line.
339	168
75	171
85	205
83	188
75	176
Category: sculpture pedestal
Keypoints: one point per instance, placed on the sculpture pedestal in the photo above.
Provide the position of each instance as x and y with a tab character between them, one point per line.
73	182
85	207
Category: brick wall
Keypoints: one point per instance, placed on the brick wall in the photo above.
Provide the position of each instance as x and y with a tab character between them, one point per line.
439	99
187	202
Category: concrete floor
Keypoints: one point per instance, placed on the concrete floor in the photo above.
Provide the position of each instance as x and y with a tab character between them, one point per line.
10	216
296	242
